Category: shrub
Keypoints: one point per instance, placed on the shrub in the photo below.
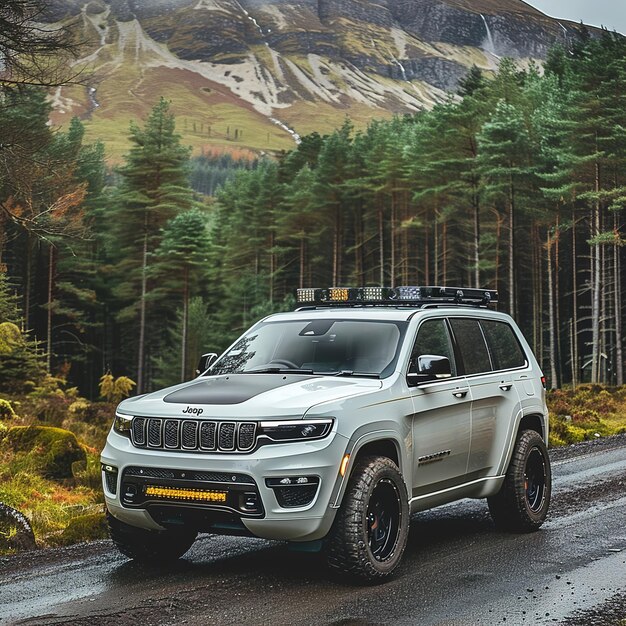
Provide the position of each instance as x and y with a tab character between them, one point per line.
114	390
6	410
82	528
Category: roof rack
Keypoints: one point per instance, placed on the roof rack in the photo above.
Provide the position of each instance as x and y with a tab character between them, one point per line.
395	296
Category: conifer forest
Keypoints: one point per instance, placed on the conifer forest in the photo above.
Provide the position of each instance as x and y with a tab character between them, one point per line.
516	183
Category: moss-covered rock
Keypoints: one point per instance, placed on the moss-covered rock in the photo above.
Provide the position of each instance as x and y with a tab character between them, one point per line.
49	451
83	528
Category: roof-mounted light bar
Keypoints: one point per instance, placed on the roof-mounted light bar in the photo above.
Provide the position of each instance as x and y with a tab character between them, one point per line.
405	295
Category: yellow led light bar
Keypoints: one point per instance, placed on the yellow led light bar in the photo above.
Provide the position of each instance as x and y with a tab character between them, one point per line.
175	493
339	294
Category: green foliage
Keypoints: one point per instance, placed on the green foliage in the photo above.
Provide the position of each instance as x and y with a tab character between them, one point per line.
82	528
585	413
200	339
42	449
114	390
6	410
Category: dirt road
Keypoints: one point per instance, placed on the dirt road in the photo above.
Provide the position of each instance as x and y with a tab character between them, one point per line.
457	570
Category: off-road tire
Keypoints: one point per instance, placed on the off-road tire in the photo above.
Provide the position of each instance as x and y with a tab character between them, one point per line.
149	546
349	547
523	501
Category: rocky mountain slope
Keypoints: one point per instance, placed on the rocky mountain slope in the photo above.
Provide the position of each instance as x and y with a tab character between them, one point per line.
255	74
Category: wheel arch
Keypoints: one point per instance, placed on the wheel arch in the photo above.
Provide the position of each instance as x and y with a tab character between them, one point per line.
380	443
535	422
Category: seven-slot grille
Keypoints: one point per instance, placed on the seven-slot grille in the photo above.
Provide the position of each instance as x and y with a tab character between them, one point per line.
193	435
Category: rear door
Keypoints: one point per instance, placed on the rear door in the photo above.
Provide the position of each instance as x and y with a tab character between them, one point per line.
487	365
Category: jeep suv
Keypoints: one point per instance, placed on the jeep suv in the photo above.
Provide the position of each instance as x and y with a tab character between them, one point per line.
329	426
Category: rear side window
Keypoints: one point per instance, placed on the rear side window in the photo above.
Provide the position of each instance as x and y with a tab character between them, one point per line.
471	343
506	352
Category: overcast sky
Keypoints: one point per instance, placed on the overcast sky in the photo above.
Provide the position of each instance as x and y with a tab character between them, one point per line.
609	13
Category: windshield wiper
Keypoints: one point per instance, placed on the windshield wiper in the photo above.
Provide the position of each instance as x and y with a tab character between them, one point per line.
278	370
352	373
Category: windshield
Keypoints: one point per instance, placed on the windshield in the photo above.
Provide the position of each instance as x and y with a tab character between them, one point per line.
330	347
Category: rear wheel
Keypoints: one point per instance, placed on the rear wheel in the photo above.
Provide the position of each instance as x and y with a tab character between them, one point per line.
370	532
522	503
150	546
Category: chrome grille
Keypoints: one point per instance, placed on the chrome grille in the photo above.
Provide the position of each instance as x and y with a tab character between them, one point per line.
171	433
193	435
247	432
139	431
154	433
207	435
190	435
227	436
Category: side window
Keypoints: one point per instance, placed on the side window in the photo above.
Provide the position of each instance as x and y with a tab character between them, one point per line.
433	338
471	342
506	352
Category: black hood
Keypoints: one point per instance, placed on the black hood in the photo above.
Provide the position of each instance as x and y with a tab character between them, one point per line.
233	389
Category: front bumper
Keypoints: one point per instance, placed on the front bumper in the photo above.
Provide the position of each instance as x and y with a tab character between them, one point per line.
267	519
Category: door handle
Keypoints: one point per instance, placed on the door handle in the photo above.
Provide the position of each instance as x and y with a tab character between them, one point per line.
506	386
460	393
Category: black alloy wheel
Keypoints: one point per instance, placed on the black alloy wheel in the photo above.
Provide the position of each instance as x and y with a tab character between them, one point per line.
383	520
535	480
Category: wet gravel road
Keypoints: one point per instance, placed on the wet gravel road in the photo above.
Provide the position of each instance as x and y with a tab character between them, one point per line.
457	570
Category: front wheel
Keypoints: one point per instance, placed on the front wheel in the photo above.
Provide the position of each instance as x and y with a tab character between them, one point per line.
371	529
522	503
149	546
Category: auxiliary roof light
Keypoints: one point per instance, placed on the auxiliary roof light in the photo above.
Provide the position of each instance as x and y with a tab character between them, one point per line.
404	295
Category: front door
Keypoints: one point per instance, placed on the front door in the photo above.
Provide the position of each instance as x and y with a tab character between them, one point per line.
441	420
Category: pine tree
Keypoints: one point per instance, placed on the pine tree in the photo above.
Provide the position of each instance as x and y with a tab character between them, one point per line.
154	188
504	147
21	364
179	268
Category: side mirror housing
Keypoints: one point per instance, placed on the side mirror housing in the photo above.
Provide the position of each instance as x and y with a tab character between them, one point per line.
206	360
429	367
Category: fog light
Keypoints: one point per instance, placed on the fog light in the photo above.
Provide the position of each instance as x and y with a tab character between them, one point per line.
249	502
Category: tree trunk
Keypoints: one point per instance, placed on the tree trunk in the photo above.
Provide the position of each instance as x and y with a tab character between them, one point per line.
381	244
557	300
28	280
142	312
596	283
512	306
445	253
436	250
574	347
476	242
301	282
617	303
183	351
49	312
551	313
272	267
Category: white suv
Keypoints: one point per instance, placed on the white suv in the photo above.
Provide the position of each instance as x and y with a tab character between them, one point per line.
329	426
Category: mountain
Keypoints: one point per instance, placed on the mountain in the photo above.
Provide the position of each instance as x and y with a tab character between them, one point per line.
256	74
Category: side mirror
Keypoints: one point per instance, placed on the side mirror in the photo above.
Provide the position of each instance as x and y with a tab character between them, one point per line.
429	367
206	360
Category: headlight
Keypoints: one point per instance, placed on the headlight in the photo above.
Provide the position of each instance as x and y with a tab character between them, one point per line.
296	430
122	424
